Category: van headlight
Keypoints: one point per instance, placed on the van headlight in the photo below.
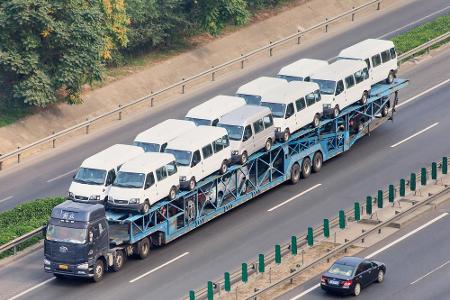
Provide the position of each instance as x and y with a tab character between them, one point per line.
277	129
182	178
135	200
70	195
84	266
94	197
235	152
46	262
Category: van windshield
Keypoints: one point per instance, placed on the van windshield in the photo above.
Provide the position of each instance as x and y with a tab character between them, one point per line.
199	122
277	109
183	158
148	147
250	99
291	78
90	176
234	132
66	234
327	87
129	180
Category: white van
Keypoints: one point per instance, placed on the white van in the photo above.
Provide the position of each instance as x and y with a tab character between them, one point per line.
200	153
343	83
301	69
93	179
294	106
250	129
379	55
155	139
143	181
209	112
255	89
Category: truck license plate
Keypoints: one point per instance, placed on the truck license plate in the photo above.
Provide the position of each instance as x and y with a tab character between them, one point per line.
63	267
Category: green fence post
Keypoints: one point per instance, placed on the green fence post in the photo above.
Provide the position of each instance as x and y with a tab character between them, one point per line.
357	212
294	245
402	187
191	295
369	205
244	273
391	193
227	282
341	219
412	182
434	171
444	165
261	263
326	228
277	254
210	291
310	237
380	199
423	176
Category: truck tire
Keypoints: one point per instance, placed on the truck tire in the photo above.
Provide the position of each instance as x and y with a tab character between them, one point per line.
306	167
295	173
119	261
143	248
99	270
317	162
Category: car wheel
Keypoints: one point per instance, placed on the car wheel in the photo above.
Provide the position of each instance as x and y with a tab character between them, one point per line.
295	173
99	270
316	121
364	98
357	289
145	207
268	145
119	261
286	135
306	167
244	157
385	111
143	248
317	162
223	167
191	184
380	276
390	78
172	193
336	111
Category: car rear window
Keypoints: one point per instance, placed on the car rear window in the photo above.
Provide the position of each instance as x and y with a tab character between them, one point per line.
340	269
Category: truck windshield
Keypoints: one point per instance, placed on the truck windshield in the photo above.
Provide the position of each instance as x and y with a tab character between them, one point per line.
183	158
90	176
129	180
66	234
198	121
277	109
250	99
234	131
148	147
327	87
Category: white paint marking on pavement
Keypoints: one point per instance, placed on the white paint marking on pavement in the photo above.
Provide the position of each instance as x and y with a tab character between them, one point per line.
431	272
381	250
296	196
414	22
61	176
414	135
6	199
31	288
423	93
160	267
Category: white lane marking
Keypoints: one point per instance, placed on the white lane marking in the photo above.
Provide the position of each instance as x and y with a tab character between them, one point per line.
381	249
61	176
414	135
160	267
414	22
296	196
431	272
31	288
423	93
6	199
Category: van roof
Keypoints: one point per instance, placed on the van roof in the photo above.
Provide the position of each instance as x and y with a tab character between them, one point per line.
112	157
242	114
302	67
210	106
147	162
339	69
293	91
260	85
165	131
197	138
366	48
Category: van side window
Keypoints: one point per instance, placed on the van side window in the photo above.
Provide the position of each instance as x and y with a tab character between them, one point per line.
339	87
161	173
289	111
110	177
196	158
366	73
359	76
317	94
207	151
221	143
258	126
300	104
150	180
393	53
171	168
367	63
349	81
247	133
268	121
310	99
376	60
385	56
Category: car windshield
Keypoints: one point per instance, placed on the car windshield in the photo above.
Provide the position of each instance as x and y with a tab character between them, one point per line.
291	78
277	109
183	158
250	99
234	131
340	269
198	121
90	176
129	180
148	147
327	87
66	234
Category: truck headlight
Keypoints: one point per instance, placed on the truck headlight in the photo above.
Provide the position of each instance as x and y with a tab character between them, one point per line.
182	178
70	195
277	129
94	197
235	152
84	266
135	200
46	262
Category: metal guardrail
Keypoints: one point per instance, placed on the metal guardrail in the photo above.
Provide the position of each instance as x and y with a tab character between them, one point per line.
85	125
16	242
425	46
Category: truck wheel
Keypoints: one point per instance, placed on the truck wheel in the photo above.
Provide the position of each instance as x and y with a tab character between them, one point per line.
99	270
143	248
316	121
390	78
364	97
191	184
384	111
286	135
145	207
295	173
306	167
268	145
336	111
119	261
172	193
244	157
317	162
223	167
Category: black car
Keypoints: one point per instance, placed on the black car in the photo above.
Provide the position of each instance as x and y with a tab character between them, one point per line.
348	275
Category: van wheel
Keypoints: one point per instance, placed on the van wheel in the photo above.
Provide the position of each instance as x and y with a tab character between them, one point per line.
99	270
364	97
191	184
224	167
316	121
385	110
390	78
286	135
172	193
244	157
306	167
295	173
143	248
119	261
268	145
317	162
336	111
145	207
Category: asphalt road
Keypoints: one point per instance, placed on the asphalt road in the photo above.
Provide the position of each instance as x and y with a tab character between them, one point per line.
418	266
227	241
